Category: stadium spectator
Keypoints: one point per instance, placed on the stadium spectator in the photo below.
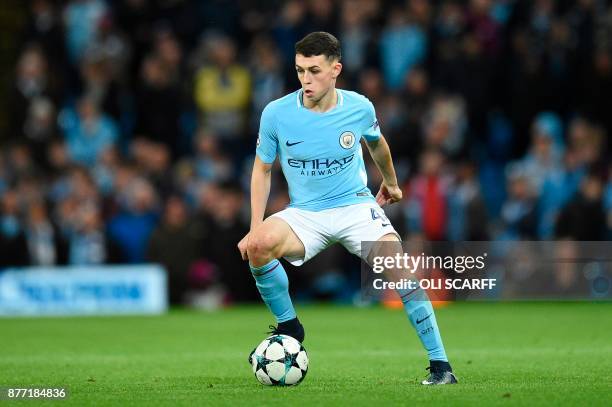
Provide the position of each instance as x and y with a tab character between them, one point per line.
519	212
153	163
82	20
13	244
584	217
228	223
57	157
135	19
467	213
20	163
44	27
104	171
444	124
177	243
355	36
403	45
210	163
268	79
99	83
426	203
132	226
158	103
223	89
88	132
46	245
416	95
88	243
40	128
32	82
557	189
289	28
546	152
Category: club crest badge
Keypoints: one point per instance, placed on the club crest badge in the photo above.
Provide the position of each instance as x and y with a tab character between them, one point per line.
347	140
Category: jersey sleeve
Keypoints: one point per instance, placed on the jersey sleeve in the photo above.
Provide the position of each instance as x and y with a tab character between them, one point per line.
371	130
267	139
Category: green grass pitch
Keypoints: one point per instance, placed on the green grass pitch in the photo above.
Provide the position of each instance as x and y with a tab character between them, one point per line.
502	353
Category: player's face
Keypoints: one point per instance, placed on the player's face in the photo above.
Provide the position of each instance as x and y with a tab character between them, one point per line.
317	74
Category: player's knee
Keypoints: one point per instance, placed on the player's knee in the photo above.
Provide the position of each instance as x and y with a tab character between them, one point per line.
262	246
387	246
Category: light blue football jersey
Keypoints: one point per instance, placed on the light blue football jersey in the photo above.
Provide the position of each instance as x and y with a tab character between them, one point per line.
320	153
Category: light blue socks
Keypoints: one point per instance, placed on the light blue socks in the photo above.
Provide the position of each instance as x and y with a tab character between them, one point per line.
273	285
421	315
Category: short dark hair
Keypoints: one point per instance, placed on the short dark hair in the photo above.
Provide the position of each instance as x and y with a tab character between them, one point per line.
319	43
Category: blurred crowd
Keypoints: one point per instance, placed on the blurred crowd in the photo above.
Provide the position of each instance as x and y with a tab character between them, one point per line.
132	126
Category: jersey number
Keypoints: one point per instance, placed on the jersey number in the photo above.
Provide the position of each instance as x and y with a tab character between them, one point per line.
381	216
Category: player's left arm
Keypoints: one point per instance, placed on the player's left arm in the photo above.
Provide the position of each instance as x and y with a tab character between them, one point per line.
389	192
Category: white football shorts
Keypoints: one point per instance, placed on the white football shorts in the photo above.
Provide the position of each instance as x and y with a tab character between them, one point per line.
347	225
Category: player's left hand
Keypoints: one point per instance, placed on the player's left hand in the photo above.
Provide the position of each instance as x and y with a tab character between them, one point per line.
388	194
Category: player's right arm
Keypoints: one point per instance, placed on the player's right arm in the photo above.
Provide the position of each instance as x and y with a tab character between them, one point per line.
267	146
260	191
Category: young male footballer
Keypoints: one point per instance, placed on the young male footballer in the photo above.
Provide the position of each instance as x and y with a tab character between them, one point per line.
316	133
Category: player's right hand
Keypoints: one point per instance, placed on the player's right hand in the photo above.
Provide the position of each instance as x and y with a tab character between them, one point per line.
242	246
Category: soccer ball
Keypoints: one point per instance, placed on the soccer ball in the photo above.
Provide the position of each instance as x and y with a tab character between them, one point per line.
279	360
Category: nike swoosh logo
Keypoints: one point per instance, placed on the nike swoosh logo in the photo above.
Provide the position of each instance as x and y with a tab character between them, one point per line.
418	321
292	144
385	224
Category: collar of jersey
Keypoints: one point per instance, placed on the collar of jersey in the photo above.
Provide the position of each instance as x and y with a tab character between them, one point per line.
339	102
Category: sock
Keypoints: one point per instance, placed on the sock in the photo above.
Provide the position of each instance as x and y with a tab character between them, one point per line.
273	285
421	315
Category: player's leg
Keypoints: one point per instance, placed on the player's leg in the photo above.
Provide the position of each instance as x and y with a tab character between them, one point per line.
368	223
420	313
272	240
